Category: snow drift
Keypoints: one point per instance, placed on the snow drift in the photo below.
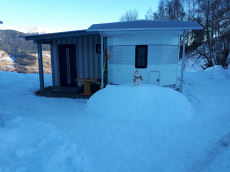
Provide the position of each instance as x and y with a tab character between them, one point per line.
146	103
215	70
59	134
29	145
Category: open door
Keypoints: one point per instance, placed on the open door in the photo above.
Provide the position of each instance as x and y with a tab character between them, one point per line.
67	65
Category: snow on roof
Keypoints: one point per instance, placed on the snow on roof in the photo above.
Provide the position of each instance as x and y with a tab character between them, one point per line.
145	25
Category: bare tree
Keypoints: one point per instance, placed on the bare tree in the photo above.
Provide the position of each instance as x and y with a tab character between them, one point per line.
213	42
149	15
129	15
175	10
162	13
167	10
215	21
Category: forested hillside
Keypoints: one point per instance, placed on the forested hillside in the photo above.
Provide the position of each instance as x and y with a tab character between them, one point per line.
13	43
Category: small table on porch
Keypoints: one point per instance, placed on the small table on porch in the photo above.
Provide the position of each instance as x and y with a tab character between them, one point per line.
87	89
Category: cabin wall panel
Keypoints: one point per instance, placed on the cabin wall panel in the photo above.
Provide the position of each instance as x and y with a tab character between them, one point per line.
88	62
162	58
91	60
143	39
85	58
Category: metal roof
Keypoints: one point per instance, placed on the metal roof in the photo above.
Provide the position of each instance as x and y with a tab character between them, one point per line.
138	25
50	36
145	25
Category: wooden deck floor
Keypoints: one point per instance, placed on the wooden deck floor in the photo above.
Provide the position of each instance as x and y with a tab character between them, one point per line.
71	95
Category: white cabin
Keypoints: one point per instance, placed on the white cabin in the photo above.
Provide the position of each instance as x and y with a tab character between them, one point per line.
156	55
149	46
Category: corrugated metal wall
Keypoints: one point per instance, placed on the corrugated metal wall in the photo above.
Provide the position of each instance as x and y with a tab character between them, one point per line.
88	62
87	59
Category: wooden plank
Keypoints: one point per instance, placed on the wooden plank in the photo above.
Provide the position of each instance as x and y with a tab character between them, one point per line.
87	90
86	79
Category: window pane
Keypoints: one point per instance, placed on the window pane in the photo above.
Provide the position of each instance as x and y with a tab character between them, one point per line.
141	56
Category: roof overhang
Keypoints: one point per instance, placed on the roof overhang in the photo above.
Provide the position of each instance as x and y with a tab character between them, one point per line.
130	27
145	26
144	29
48	38
133	32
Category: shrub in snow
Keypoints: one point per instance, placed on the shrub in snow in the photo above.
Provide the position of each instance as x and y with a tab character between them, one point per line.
146	103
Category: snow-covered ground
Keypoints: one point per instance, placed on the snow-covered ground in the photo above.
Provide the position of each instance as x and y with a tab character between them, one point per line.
6	57
60	134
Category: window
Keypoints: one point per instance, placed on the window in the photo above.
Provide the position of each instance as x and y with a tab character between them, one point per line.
98	48
141	56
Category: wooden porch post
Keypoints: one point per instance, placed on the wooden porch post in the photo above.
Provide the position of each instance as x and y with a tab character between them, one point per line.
40	62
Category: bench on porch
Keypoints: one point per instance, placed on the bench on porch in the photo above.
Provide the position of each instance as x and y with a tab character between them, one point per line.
87	86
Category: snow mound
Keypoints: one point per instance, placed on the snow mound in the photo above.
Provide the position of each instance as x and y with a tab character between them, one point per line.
145	103
215	69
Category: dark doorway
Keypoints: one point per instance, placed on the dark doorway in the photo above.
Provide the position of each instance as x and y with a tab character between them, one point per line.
67	65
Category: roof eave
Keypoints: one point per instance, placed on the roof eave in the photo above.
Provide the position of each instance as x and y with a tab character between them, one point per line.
145	29
60	35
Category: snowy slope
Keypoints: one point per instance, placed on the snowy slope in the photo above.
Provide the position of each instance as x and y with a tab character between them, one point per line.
33	30
192	64
59	134
193	61
6	57
37	30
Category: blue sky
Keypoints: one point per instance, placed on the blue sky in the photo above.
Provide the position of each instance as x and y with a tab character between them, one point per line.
65	15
